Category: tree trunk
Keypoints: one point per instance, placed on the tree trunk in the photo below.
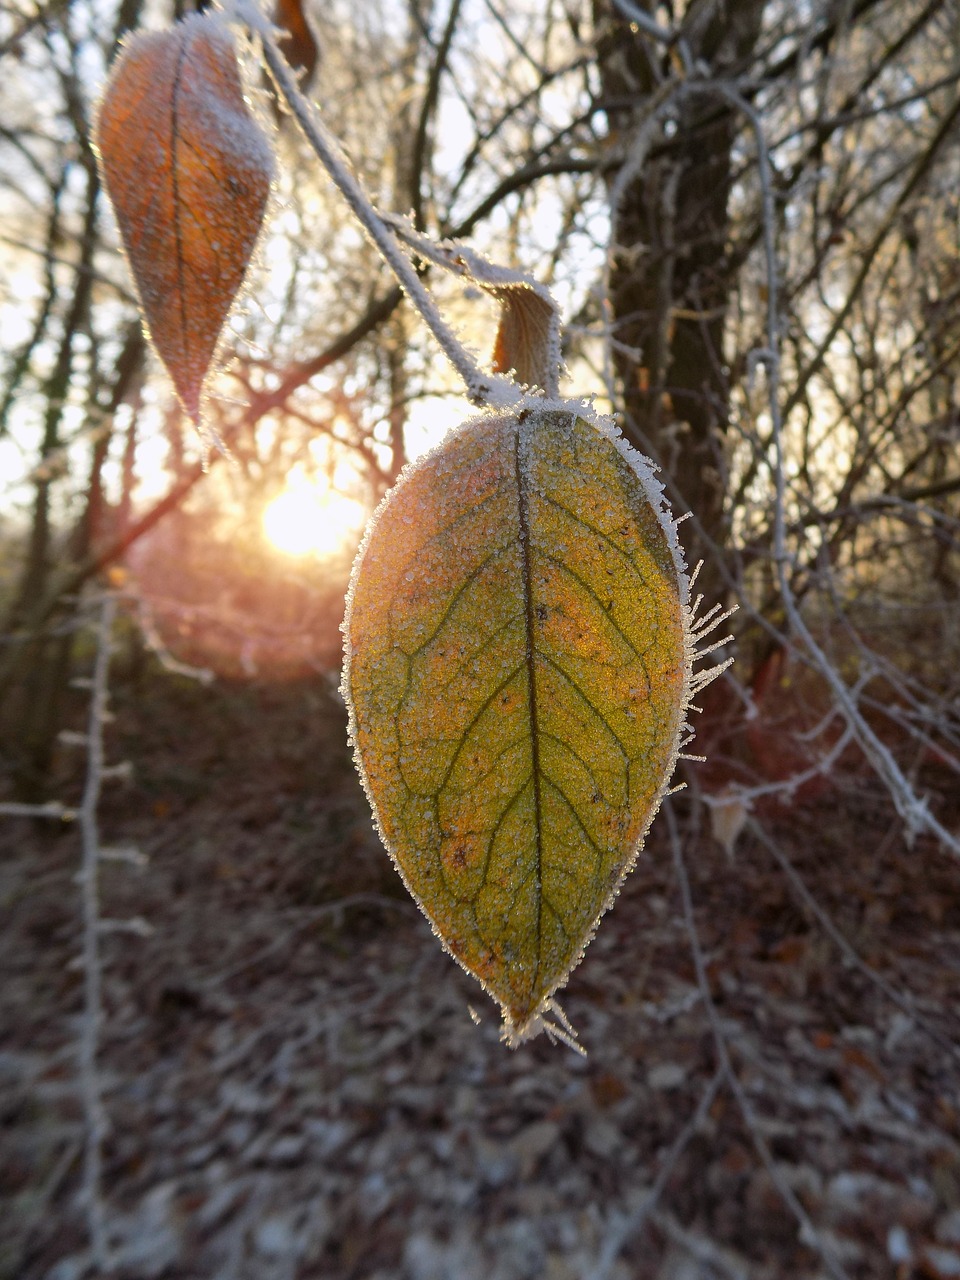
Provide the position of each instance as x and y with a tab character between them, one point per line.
671	276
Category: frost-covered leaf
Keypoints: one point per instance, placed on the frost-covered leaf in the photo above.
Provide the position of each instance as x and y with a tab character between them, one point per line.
528	335
523	335
527	344
729	811
518	653
188	171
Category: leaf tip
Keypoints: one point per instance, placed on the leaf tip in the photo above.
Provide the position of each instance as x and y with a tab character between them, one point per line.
188	171
548	1019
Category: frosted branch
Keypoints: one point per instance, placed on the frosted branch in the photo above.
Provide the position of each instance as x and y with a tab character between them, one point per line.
482	388
808	1233
94	1114
136	925
52	809
850	954
912	809
618	1235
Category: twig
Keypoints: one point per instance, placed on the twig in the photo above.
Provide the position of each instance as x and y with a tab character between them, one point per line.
833	933
667	36
51	809
912	809
314	915
95	1116
482	388
705	1251
634	1223
148	628
808	1232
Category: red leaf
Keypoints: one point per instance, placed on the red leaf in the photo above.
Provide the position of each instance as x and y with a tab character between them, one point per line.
188	171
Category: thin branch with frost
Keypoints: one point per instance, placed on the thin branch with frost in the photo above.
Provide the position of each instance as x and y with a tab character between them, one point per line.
719	1261
50	809
633	1224
94	1114
151	634
902	1001
510	288
128	854
482	388
912	809
136	925
808	1232
787	787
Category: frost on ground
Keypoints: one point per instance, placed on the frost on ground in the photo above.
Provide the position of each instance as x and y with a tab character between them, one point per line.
295	1086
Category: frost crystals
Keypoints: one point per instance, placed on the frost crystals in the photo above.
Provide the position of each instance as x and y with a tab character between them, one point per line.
519	664
188	171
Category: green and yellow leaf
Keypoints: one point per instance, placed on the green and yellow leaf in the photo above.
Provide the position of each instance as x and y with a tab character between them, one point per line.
518	668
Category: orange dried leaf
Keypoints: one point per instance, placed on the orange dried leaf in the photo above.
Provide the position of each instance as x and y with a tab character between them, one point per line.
525	343
188	171
528	335
518	655
299	44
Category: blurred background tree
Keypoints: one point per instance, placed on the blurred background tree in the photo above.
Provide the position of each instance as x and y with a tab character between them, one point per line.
608	148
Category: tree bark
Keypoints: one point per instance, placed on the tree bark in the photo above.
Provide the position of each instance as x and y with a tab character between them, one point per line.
671	276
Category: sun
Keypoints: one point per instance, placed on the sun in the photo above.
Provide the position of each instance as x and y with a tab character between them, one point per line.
309	518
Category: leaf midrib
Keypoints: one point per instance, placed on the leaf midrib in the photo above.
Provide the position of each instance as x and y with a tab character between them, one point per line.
530	659
175	188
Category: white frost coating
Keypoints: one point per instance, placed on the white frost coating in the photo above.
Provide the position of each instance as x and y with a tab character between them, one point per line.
230	123
247	13
214	117
694	630
232	130
501	392
549	1017
644	469
465	262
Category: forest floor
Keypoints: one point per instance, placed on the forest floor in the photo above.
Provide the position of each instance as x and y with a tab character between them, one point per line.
295	1086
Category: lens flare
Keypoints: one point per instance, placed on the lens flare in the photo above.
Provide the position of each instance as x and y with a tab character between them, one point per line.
309	518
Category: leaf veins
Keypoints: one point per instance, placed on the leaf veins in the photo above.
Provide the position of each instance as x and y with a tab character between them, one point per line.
518	671
188	171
